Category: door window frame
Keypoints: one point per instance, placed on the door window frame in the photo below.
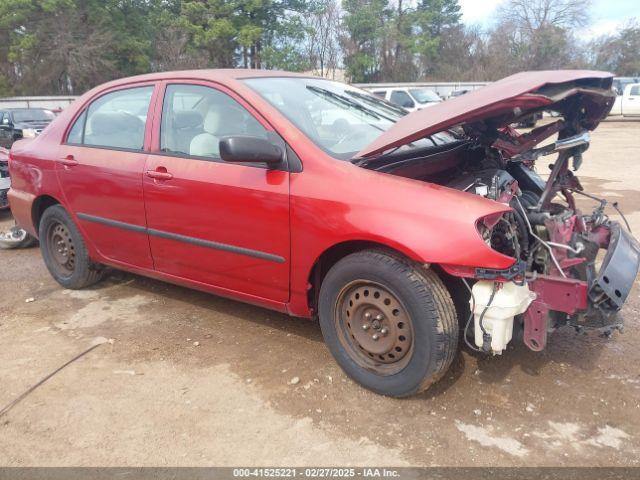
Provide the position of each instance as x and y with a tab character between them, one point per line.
292	162
85	109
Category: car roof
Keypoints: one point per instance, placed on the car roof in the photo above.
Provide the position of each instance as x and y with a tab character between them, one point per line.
14	109
222	75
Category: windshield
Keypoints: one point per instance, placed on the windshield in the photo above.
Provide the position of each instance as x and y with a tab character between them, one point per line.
339	119
424	95
32	115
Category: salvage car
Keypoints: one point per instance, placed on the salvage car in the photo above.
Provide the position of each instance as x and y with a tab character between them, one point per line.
402	233
17	123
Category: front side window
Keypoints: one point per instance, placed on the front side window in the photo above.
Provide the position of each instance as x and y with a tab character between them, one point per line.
635	91
402	98
115	120
195	118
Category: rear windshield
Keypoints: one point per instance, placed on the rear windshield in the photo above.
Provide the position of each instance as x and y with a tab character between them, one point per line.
32	115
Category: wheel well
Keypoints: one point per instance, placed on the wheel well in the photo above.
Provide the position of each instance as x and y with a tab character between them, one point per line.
333	255
39	206
336	253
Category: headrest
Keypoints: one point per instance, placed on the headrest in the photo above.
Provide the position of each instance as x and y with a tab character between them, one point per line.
114	122
224	121
186	119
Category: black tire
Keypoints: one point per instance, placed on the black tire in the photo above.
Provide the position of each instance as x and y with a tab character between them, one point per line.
426	303
80	273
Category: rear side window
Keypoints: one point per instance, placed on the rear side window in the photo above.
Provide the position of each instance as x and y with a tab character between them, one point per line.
115	120
75	134
635	91
195	118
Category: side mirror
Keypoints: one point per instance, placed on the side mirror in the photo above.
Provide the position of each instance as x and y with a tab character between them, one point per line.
248	149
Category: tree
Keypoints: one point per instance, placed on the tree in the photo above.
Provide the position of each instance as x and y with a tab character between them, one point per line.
619	53
364	25
323	31
436	21
539	33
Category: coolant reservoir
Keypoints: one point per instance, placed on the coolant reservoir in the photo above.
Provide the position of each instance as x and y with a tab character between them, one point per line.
510	300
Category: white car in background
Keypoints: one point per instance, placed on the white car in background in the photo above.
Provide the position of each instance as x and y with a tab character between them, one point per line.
627	104
410	98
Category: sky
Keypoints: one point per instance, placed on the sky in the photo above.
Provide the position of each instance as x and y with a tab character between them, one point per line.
607	16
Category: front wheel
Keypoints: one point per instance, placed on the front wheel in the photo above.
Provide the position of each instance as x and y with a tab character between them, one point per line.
64	251
390	323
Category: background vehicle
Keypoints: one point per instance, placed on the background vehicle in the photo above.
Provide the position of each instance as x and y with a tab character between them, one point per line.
619	83
17	123
628	104
315	198
410	98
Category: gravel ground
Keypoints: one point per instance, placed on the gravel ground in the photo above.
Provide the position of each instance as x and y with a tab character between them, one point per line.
193	379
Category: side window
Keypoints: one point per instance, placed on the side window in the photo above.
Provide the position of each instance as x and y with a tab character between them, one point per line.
115	120
635	91
5	118
402	98
75	134
194	118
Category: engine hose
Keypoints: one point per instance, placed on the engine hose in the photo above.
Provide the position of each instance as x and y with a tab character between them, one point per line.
486	336
466	327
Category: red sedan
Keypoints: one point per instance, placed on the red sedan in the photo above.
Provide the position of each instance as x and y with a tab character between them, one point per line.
401	232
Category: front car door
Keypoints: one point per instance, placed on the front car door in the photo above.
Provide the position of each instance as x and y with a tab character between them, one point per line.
100	168
632	106
219	224
402	98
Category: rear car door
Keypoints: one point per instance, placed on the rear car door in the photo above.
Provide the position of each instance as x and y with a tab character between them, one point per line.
100	168
216	223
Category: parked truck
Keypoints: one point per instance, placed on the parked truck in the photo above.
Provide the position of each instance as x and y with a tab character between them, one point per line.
627	104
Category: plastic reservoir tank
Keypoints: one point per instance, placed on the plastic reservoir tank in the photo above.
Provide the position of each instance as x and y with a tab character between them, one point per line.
509	300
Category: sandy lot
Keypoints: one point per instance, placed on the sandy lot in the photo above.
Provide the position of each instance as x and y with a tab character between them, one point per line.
155	398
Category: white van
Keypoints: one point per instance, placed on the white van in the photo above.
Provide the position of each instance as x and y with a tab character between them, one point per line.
411	98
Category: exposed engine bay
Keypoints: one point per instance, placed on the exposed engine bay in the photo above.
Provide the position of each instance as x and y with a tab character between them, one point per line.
570	267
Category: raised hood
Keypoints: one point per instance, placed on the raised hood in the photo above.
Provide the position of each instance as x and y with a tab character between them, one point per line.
502	102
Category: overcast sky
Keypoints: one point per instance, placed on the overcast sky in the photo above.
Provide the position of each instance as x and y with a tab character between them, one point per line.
606	15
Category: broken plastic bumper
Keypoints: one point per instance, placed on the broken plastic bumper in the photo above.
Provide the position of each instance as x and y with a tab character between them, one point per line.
618	272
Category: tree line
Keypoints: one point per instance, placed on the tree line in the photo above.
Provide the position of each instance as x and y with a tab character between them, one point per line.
69	46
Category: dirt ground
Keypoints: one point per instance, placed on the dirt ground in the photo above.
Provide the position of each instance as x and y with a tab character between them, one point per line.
156	397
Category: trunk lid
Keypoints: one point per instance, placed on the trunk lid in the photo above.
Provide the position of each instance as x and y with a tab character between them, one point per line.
502	102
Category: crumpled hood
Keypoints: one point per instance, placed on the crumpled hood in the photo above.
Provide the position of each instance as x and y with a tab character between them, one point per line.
504	101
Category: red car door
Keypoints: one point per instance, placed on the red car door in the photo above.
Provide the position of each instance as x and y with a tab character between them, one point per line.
100	167
220	224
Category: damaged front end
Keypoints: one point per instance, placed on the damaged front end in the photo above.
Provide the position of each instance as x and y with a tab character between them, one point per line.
570	267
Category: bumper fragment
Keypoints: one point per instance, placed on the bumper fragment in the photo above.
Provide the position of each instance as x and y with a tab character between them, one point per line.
618	272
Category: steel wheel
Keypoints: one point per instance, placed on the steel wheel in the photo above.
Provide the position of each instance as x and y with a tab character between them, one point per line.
62	249
374	326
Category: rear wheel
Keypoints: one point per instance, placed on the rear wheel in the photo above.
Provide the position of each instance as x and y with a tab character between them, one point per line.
390	323
64	251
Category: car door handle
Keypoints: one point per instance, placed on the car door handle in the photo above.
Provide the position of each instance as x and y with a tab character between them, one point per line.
159	174
68	161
